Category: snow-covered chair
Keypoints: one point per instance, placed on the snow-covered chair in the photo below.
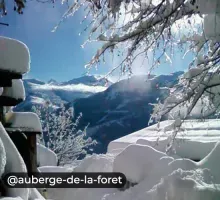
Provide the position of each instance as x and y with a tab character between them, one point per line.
14	60
23	127
11	96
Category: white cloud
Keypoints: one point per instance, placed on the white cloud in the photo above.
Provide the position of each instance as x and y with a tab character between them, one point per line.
75	88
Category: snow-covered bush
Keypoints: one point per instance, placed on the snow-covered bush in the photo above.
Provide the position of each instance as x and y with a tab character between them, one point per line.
60	133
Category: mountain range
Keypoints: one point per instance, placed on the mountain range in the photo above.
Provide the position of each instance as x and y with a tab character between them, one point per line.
37	92
111	110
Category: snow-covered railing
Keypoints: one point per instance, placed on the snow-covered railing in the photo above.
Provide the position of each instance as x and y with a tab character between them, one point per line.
13	95
23	127
23	121
14	60
14	56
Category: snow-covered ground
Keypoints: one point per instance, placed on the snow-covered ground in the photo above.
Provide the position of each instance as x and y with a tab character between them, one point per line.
156	175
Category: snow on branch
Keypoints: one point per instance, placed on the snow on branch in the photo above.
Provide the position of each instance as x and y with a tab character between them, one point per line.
61	133
140	27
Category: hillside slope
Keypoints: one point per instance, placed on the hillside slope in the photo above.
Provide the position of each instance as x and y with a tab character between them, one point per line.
121	109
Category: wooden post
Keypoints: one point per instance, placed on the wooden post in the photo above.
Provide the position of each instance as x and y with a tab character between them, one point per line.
32	147
26	143
2	117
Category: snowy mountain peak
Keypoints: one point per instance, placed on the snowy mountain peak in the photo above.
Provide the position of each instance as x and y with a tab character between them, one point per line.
91	80
38	91
52	82
33	80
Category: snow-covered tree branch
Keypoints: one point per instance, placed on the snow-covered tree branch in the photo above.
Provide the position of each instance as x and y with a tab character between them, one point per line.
137	27
61	133
148	25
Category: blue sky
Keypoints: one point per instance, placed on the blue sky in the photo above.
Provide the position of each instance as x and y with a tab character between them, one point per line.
58	55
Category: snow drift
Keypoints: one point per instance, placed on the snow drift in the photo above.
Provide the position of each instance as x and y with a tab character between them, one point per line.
157	176
45	157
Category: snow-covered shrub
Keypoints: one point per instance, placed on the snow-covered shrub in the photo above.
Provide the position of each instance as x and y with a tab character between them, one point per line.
60	133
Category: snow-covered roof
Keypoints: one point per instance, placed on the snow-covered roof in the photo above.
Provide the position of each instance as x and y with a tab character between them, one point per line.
17	90
14	56
23	121
195	141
